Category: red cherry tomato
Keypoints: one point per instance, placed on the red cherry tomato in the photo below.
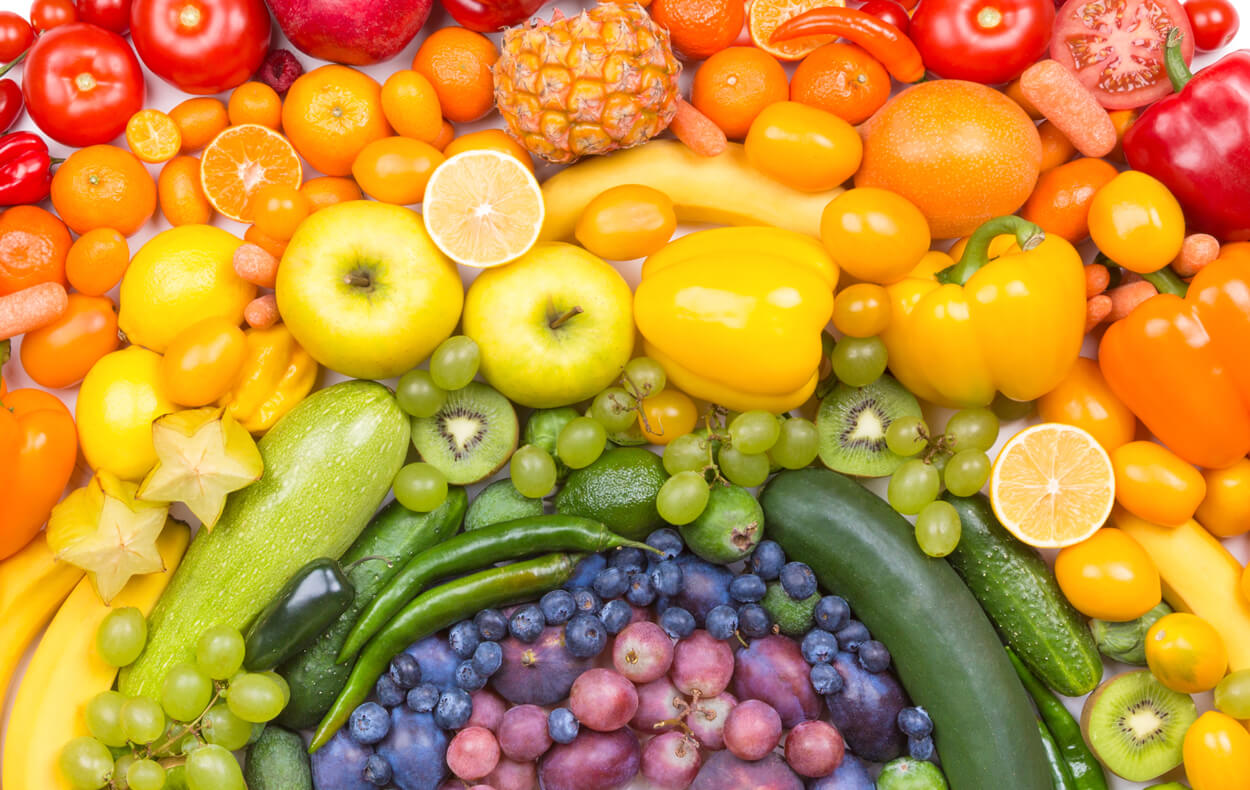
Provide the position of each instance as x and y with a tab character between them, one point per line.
82	83
16	36
986	41
109	14
1215	22
47	14
888	11
201	46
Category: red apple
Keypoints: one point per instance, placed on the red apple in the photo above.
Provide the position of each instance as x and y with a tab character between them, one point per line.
358	32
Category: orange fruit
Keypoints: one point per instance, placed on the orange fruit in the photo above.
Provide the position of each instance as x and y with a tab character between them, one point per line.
331	113
255	102
458	62
153	136
411	106
699	29
1012	89
1052	485
765	16
181	196
735	85
267	243
909	148
328	190
33	246
278	210
241	160
445	135
1056	147
841	79
483	208
199	120
1060	202
102	186
97	261
490	140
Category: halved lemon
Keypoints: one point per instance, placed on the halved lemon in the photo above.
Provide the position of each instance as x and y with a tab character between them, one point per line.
242	159
1052	485
483	208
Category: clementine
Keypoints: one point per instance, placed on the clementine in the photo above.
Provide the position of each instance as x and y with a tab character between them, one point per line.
842	79
332	112
735	85
458	62
700	28
102	186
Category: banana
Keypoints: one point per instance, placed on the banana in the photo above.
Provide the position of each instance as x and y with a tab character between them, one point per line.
723	190
66	673
32	585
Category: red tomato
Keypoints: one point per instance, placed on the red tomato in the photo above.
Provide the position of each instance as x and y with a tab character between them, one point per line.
888	11
109	14
1116	47
47	14
1215	22
986	41
82	83
201	46
16	36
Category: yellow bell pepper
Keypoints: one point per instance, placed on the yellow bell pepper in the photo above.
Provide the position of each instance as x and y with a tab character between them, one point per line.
276	374
735	315
1012	325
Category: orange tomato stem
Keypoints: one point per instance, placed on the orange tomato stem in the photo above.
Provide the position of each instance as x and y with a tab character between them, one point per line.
883	41
1166	281
976	252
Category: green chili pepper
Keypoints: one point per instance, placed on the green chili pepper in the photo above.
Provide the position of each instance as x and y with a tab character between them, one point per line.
1085	769
305	606
1060	774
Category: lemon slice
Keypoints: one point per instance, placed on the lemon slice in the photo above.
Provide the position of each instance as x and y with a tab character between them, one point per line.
483	208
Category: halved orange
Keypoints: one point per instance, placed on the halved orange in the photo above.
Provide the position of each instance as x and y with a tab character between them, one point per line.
242	159
765	16
483	208
1052	485
153	136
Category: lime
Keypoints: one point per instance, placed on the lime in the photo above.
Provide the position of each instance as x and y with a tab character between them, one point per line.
908	774
619	489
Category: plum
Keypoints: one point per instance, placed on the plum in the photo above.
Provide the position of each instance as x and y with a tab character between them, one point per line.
438	662
513	775
752	729
851	774
866	710
704	586
473	753
706	719
702	665
772	670
642	652
814	748
671	761
724	771
540	673
593	761
488	710
341	764
585	571
603	700
523	733
660	705
416	749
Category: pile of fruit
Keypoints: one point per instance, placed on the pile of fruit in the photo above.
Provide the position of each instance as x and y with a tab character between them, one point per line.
469	399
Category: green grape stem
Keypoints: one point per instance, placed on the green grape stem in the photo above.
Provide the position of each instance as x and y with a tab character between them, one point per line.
192	728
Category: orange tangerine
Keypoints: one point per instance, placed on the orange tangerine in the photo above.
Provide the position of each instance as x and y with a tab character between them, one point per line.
241	160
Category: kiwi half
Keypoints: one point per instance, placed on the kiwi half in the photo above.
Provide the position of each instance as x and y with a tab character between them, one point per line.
852	422
1135	725
471	437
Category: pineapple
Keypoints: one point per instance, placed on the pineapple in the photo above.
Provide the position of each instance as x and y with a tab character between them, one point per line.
590	84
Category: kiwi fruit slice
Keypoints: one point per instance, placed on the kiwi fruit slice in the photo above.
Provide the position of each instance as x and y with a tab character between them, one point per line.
471	437
1135	725
852	422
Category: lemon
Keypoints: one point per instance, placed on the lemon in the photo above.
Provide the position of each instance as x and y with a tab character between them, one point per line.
119	399
181	276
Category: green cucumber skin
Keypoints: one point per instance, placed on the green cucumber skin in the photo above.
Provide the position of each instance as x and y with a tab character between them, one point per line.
397	534
944	648
328	464
1020	594
278	761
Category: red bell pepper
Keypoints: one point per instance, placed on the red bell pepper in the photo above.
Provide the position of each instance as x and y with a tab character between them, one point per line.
25	169
491	16
1197	142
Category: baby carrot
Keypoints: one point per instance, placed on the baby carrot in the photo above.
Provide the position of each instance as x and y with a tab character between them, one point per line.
1097	308
1126	297
256	265
1057	93
1197	251
1097	278
31	308
697	131
261	312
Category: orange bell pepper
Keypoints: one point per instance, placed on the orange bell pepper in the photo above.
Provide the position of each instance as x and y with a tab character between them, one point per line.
38	448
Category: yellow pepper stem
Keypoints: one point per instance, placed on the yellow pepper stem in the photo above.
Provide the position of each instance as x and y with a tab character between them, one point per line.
976	253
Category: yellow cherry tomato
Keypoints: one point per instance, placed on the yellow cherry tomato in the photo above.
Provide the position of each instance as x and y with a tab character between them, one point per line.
1225	510
279	209
1155	484
1137	222
625	222
203	362
1085	400
803	147
1216	751
874	235
117	402
396	169
861	310
669	413
1109	576
1186	653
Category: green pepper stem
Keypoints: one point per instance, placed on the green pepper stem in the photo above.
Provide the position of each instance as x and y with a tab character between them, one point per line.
1167	281
976	253
1174	60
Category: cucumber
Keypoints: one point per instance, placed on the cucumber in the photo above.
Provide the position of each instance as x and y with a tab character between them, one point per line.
397	534
945	649
328	464
1020	594
278	761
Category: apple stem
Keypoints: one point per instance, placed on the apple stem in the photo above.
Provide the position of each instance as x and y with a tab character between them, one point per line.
358	280
561	320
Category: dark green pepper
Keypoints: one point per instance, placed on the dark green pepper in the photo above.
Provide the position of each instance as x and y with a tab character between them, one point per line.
305	606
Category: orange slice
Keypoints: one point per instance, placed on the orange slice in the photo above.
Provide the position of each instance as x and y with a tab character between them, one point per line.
483	208
1052	485
153	136
765	16
242	159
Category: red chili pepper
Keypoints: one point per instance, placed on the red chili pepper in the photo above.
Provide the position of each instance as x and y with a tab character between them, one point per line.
10	96
1197	142
25	169
881	39
491	16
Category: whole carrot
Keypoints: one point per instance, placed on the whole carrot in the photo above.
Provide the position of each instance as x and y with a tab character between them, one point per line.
31	308
1056	92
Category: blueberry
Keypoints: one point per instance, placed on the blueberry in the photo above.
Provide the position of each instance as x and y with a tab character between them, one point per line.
721	622
677	622
921	748
615	615
492	626
377	771
753	620
831	612
585	571
453	710
874	656
562	725
557	607
628	559
798	580
487	659
767	560
405	671
527	623
667	541
825	679
915	722
423	698
610	583
852	635
666	578
641	591
586	601
585	635
369	723
468	678
388	691
463	638
819	647
747	588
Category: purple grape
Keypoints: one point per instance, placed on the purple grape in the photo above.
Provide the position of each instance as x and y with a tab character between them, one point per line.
488	710
642	652
603	700
724	771
513	775
523	733
706	719
772	670
593	761
702	664
814	749
671	760
416	748
660	706
851	774
752	730
473	753
866	710
538	674
341	764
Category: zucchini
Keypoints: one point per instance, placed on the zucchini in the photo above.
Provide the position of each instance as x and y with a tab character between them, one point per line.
1020	594
946	651
278	761
396	533
328	464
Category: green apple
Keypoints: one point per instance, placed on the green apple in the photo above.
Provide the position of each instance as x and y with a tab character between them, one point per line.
555	327
365	291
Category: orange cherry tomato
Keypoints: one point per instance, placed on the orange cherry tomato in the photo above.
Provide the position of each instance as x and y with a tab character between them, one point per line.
203	362
62	352
1225	510
396	169
97	260
1083	399
1156	484
1216	751
861	310
33	480
327	190
278	211
1109	576
669	413
1186	653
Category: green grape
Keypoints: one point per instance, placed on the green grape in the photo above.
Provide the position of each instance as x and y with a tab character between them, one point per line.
454	363
418	395
914	485
142	719
214	768
682	498
686	453
907	436
420	487
122	636
972	429
255	698
939	461
223	728
859	361
938	528
745	469
220	651
186	692
966	472
120	768
282	684
615	409
533	471
190	744
581	442
1232	695
646	375
1007	409
797	444
145	775
176	778
86	763
754	432
104	718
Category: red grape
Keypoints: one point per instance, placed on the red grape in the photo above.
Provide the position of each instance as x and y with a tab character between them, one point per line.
752	729
660	705
523	733
702	664
513	775
603	700
671	760
473	753
642	652
707	720
488	710
814	749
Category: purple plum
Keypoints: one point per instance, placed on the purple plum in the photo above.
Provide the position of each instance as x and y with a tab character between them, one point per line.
593	761
541	673
772	670
438	663
723	771
416	749
866	710
851	774
341	764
